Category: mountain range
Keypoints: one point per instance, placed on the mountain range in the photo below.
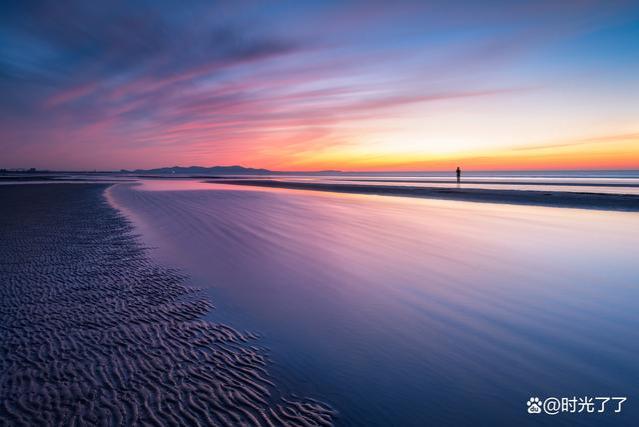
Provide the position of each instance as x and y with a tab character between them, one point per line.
220	170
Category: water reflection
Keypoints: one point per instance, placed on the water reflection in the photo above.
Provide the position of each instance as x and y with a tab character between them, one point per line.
407	311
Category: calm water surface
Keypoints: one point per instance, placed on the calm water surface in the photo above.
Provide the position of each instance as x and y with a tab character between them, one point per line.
403	311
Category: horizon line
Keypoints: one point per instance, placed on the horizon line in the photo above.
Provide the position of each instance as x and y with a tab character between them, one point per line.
122	170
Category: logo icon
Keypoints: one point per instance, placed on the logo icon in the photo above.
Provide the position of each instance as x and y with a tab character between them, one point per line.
534	405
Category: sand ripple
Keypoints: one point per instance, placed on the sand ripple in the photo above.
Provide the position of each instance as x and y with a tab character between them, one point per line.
92	332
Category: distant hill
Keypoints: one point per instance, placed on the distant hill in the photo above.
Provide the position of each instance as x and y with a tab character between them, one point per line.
218	170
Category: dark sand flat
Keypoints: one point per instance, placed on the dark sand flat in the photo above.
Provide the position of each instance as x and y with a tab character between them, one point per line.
29	177
500	182
618	202
94	333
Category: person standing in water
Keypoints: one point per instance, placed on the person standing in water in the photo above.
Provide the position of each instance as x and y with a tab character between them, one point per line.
458	171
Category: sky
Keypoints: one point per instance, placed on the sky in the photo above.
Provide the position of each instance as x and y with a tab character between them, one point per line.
301	85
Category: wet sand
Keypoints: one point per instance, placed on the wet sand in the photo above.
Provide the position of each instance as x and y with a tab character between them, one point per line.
500	182
93	332
600	201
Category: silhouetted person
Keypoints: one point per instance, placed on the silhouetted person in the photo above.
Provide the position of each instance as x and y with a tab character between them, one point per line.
458	172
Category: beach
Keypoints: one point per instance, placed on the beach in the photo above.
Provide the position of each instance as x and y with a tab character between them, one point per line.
93	332
164	300
319	213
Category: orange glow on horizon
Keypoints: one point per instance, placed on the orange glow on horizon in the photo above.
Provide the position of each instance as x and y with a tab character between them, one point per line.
615	152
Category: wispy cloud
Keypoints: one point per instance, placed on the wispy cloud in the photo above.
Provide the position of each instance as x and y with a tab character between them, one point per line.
599	139
144	84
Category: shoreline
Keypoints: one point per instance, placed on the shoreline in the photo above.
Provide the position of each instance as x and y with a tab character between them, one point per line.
95	331
559	199
474	180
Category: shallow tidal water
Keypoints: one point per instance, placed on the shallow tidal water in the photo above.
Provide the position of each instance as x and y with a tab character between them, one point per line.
402	311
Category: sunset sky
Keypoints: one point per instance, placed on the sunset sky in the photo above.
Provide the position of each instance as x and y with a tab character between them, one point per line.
320	85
